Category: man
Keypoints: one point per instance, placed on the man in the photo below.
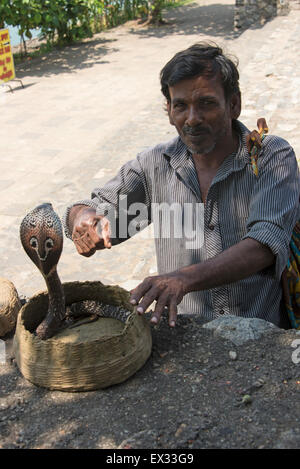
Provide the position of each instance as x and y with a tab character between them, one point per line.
241	246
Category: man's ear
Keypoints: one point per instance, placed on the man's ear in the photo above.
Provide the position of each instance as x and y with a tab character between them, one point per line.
235	105
169	112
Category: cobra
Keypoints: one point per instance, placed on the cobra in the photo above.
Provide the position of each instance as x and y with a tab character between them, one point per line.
42	238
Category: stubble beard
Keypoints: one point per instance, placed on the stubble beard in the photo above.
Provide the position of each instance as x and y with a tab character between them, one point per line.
203	149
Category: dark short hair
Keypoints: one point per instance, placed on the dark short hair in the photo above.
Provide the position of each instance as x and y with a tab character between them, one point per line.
201	59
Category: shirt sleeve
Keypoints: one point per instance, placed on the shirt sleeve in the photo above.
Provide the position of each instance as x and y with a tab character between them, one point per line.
274	207
120	198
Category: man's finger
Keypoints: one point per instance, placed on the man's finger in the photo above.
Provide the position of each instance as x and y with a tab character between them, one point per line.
147	300
83	248
105	232
106	239
78	232
172	313
161	304
91	236
89	253
94	237
138	292
87	240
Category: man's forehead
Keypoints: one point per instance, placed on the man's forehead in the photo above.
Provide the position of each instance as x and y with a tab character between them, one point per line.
197	86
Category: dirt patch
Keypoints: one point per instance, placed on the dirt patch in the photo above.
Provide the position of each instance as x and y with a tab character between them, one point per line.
195	391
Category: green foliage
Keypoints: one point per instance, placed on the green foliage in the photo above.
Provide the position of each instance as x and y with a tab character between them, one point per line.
59	20
22	13
156	11
65	21
118	11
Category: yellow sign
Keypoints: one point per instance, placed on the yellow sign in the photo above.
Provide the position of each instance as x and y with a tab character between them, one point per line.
7	69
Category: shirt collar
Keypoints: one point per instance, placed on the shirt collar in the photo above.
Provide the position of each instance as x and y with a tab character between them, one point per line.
177	153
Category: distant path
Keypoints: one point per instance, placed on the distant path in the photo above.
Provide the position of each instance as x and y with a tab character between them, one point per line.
89	108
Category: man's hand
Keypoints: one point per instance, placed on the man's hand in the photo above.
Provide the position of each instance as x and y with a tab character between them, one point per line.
167	290
235	263
85	235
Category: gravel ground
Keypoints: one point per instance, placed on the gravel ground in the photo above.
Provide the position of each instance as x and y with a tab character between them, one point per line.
193	392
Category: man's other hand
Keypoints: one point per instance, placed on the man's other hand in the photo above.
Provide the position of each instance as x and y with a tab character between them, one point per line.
86	235
167	290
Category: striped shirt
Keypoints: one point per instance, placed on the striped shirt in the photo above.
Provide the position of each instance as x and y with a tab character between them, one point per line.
239	205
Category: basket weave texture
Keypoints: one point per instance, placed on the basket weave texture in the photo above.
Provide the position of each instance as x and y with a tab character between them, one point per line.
9	306
100	359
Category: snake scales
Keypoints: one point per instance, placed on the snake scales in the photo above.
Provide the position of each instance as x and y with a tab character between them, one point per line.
42	238
41	235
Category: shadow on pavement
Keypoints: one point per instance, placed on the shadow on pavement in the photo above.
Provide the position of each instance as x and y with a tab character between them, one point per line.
212	20
18	87
67	59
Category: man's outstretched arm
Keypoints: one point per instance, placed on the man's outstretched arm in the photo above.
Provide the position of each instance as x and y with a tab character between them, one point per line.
236	263
82	219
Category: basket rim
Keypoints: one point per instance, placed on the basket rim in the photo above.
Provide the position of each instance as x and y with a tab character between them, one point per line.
52	340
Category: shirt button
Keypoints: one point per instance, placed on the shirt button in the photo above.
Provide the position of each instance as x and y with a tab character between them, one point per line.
211	227
221	311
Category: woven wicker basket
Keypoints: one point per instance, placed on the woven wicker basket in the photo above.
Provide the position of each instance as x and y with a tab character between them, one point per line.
87	357
10	305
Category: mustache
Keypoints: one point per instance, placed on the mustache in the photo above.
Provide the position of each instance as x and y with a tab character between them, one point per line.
187	130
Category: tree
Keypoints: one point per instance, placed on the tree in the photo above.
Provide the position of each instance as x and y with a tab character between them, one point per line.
155	12
25	14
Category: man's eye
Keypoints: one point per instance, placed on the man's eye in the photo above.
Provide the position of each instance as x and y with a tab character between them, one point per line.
207	102
179	106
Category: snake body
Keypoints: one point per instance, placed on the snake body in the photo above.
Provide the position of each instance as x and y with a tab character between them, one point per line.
42	238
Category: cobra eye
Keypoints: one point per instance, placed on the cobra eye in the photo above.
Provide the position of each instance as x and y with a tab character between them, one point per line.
33	242
49	243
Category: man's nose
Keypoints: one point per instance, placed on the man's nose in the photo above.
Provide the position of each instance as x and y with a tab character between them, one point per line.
194	117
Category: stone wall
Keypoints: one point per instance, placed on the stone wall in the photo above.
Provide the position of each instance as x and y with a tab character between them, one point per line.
257	12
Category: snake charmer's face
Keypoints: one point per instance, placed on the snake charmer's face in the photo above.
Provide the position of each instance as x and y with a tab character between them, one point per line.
42	237
201	113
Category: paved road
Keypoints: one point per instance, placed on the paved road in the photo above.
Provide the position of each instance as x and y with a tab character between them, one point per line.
89	108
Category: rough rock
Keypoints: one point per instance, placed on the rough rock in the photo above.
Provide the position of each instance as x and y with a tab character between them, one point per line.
240	330
257	12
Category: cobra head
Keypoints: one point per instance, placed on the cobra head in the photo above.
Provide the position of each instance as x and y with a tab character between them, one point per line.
42	237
